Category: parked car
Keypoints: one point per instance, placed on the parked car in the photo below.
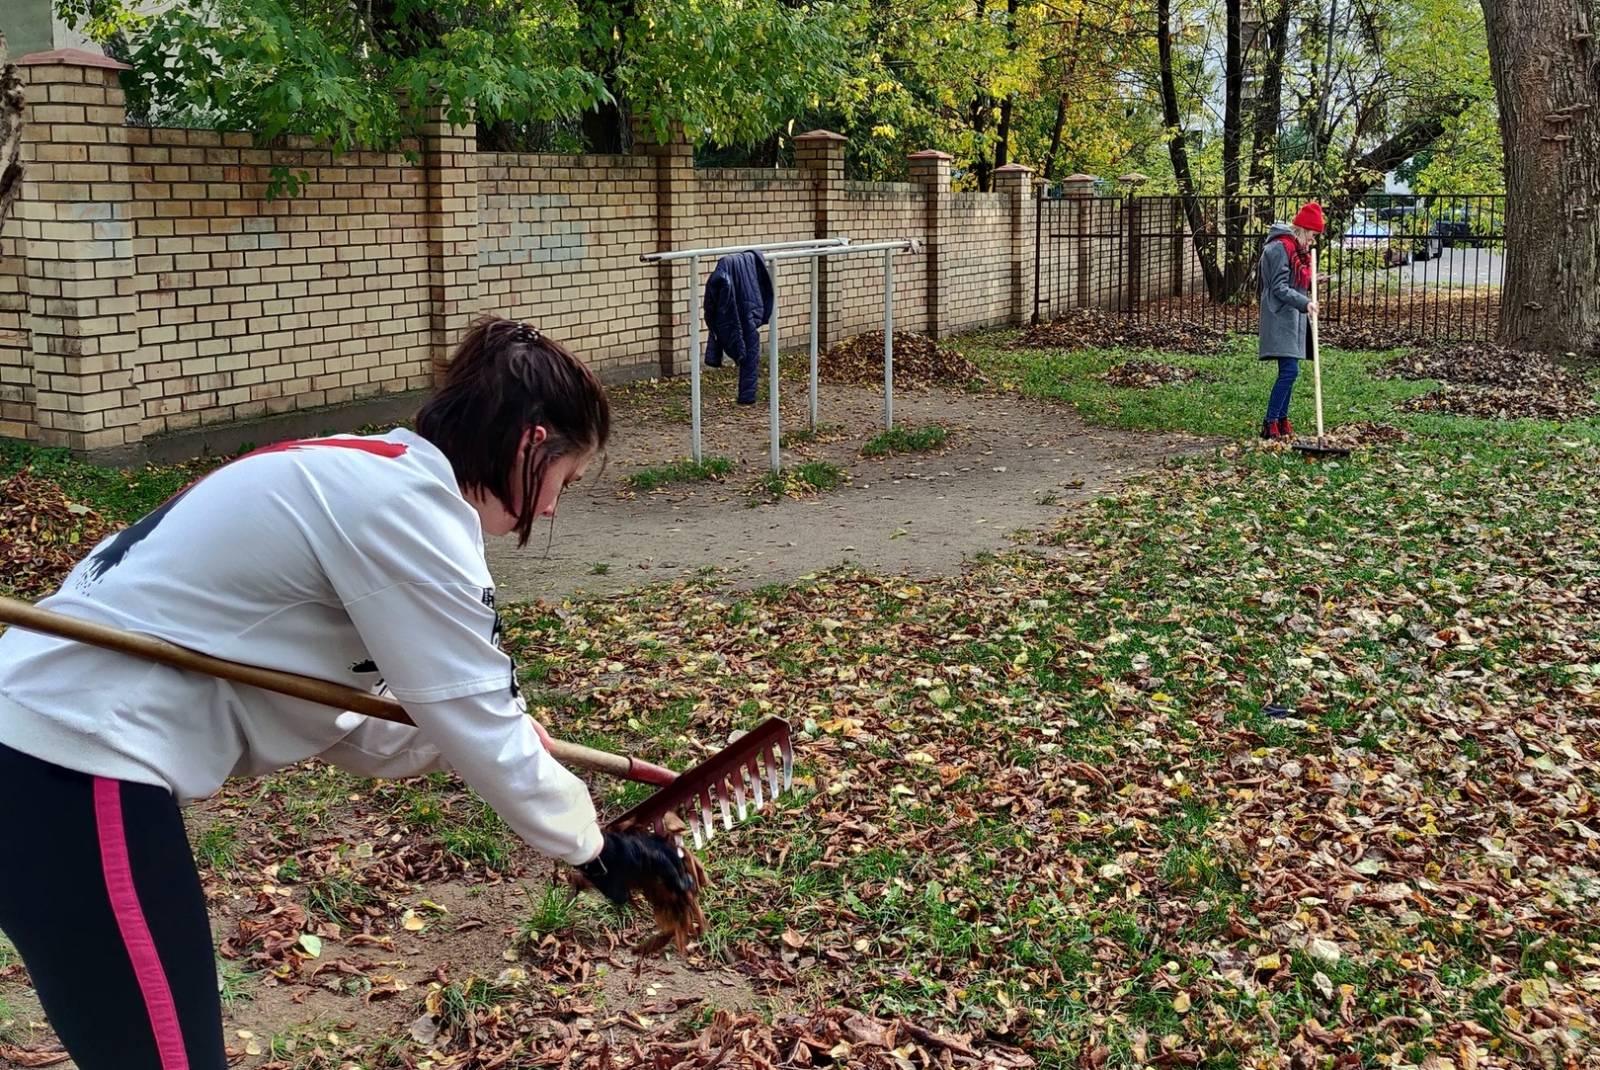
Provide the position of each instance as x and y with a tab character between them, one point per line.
1366	234
1455	226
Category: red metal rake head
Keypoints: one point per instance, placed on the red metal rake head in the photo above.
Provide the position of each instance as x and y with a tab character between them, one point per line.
756	767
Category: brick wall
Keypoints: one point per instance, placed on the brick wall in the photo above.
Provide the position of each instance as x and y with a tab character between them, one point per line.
559	241
150	288
249	306
16	339
979	293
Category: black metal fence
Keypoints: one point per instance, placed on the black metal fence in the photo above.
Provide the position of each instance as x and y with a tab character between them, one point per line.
1399	267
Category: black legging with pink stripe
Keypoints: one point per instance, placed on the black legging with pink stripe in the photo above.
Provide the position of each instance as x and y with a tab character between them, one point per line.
99	893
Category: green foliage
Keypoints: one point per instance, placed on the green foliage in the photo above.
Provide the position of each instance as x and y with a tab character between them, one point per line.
364	76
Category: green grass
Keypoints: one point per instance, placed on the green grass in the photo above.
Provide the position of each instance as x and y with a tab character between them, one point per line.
338	895
478	837
906	440
1230	406
803	480
685	471
116	493
218	846
555	911
461	1001
236	985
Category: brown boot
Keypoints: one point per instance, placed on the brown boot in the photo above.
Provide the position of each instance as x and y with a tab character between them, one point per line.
1269	429
1285	428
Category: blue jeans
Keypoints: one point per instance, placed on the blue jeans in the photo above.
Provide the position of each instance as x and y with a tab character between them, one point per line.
1278	403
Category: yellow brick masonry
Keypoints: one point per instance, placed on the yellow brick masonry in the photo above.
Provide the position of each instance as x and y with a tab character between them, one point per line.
151	287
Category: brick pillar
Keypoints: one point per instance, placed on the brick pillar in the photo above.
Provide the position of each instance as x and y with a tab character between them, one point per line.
1080	187
931	170
676	191
75	217
450	163
820	157
1014	182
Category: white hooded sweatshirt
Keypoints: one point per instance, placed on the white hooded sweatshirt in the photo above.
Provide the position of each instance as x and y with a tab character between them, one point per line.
351	559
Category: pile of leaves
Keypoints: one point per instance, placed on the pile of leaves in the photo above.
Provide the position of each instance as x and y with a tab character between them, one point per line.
918	361
1349	436
1487	380
1096	328
42	534
1148	374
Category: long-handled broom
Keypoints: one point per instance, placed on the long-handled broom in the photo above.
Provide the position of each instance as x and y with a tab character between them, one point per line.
1319	448
762	758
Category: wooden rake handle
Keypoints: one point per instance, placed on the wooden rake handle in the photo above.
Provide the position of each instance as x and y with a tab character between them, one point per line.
338	696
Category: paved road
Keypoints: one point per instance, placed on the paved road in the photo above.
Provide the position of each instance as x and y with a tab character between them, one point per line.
1459	266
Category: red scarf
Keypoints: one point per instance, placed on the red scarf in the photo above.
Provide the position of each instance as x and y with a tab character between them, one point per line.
1299	262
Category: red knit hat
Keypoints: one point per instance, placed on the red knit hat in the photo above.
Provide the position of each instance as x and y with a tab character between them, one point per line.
1309	216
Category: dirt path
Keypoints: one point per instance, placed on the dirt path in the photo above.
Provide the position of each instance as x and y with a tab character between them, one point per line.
1010	464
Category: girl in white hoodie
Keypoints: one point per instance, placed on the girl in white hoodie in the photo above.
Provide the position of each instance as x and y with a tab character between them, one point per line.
353	559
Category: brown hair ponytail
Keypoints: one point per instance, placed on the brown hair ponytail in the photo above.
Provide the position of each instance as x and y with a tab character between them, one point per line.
505	378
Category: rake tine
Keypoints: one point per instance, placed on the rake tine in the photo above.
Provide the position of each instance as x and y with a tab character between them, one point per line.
720	790
754	766
706	817
753	770
773	773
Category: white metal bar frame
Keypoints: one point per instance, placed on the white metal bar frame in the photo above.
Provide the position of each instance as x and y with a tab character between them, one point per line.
723	250
816	272
814	254
773	423
693	295
888	248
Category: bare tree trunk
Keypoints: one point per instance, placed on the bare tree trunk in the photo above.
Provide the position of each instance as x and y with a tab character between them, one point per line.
1546	66
1002	149
10	132
1269	105
1055	137
1235	266
1178	149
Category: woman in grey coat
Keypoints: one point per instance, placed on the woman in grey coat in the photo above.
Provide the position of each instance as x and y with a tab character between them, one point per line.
1285	306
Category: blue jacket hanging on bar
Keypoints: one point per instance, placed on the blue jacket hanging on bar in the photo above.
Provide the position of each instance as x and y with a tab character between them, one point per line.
738	302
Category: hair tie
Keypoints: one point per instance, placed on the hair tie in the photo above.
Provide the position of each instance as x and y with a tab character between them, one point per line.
525	334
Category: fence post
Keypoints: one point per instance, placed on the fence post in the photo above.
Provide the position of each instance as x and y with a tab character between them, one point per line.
76	217
820	156
931	170
1080	188
449	160
1013	181
1135	290
1177	246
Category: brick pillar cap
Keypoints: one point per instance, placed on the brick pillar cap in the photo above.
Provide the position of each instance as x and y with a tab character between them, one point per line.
1080	177
1013	168
1134	178
930	154
819	135
72	57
